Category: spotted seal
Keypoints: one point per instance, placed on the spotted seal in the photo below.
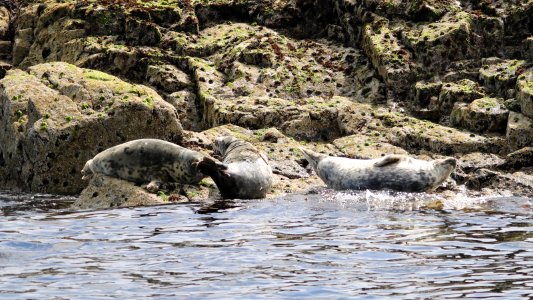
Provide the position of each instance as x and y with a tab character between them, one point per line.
393	172
244	173
147	161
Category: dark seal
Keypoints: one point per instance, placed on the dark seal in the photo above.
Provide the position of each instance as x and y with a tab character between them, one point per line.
244	172
147	161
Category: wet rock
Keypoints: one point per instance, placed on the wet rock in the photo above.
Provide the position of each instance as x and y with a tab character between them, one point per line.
108	192
524	89
482	115
519	132
57	116
498	76
519	183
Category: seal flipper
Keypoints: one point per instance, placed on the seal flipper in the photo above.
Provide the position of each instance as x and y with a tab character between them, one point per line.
154	186
388	160
217	171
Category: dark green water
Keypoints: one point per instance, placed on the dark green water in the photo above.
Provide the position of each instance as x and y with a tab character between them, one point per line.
324	246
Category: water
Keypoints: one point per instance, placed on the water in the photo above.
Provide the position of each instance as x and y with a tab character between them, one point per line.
323	246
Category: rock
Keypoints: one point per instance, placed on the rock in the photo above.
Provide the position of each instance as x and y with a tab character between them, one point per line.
527	51
366	146
142	32
393	62
4	67
477	160
524	87
22	44
410	133
519	132
186	103
482	115
438	43
520	158
428	10
168	78
519	183
5	19
57	116
425	91
308	119
108	192
462	91
5	49
498	76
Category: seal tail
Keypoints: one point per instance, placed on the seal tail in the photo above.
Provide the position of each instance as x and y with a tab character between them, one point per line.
217	171
312	157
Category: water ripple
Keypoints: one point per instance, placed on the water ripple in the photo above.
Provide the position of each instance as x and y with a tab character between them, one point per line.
328	245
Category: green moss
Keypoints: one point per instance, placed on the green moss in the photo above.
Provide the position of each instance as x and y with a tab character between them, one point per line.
149	101
97	75
68	118
85	105
43	126
163	196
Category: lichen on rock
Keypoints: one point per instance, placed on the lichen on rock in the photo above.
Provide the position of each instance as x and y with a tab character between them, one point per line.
57	116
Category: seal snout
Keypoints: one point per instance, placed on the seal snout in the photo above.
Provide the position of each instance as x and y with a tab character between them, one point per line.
87	172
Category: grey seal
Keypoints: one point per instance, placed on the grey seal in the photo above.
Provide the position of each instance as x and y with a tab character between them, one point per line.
244	172
393	172
150	161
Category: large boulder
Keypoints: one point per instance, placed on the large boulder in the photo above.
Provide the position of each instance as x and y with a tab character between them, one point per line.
56	116
484	114
498	76
390	58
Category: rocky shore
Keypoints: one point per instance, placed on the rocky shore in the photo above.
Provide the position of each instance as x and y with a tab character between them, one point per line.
355	78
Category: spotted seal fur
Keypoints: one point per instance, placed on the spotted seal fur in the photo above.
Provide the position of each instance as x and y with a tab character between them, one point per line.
393	172
150	161
244	173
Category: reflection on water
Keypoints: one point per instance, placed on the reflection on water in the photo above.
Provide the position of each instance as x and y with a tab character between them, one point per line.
327	245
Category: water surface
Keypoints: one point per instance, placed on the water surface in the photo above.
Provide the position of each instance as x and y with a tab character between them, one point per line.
328	245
